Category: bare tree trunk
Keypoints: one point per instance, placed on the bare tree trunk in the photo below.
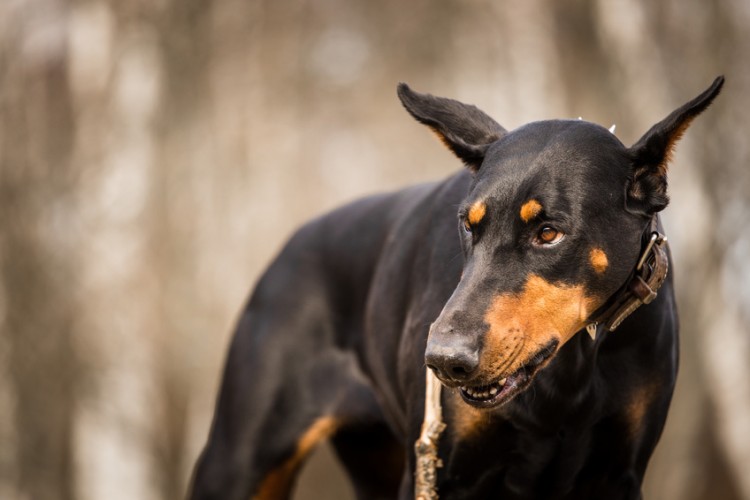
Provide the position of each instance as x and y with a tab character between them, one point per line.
37	266
179	181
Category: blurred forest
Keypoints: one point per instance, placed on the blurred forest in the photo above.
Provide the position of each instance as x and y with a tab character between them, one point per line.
154	155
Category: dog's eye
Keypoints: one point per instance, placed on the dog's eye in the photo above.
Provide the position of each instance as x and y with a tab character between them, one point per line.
467	226
549	236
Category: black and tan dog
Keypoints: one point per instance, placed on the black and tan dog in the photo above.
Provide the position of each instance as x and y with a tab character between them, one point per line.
488	278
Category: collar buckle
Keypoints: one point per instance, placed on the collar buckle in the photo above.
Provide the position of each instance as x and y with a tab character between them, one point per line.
656	239
641	288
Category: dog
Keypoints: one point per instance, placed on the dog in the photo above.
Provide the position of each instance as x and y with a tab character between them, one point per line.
490	279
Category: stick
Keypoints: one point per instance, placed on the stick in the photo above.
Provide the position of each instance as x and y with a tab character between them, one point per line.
426	447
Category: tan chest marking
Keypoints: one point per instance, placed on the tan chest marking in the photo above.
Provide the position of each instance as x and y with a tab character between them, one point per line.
641	400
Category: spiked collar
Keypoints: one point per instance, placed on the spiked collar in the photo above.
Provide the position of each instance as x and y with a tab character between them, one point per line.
642	285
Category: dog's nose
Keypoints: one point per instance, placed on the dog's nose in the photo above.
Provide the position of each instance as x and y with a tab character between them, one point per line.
451	357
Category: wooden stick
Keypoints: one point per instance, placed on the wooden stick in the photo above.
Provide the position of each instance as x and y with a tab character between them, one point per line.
426	447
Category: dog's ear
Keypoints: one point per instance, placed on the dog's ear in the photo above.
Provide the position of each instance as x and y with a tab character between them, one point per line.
647	188
464	128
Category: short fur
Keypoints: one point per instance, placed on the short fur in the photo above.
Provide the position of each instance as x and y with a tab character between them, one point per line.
336	336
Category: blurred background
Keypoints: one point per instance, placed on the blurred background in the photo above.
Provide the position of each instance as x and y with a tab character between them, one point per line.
155	155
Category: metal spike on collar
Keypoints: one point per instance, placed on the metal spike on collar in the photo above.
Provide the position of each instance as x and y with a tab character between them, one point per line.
591	330
612	128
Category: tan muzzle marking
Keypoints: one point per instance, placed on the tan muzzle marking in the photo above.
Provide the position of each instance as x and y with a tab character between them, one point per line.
541	312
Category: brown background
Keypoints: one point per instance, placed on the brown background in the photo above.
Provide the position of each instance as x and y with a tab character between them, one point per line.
154	155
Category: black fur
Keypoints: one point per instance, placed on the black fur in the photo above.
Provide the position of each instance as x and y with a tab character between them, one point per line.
648	187
464	128
338	326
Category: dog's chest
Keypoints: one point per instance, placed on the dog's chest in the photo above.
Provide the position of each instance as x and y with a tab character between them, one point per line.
500	462
499	455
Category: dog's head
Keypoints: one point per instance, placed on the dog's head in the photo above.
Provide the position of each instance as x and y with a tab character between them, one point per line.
551	229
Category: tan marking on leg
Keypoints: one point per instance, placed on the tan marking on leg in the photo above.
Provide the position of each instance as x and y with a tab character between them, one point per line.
477	212
598	260
278	483
530	209
522	324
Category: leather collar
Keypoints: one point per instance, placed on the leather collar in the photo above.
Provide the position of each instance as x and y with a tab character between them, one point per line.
642	285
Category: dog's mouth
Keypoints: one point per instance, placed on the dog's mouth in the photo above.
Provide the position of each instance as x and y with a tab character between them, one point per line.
506	388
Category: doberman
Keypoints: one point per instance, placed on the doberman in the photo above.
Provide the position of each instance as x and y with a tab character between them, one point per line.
557	233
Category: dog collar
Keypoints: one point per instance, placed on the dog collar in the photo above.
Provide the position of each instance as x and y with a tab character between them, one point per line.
642	285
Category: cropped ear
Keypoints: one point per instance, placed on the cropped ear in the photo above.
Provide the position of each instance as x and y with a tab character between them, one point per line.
647	189
464	128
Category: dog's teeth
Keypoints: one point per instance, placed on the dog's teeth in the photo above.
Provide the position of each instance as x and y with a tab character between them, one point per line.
483	393
503	380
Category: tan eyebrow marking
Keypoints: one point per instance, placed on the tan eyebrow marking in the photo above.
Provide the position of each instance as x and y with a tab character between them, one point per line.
598	260
477	212
530	209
